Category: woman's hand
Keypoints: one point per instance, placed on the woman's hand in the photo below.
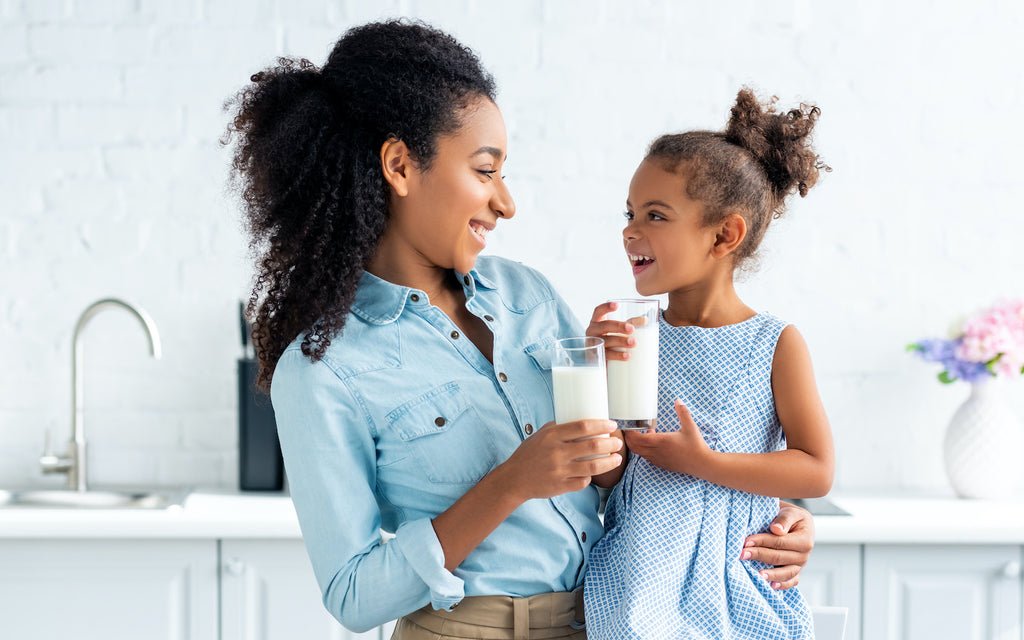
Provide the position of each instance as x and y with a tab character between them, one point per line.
787	546
615	333
550	462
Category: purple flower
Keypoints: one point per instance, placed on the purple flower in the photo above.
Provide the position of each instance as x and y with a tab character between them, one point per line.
945	352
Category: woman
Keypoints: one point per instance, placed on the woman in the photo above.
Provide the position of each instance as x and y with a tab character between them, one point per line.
410	379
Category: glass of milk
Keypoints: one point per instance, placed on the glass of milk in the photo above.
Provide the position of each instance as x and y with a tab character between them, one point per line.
633	384
580	382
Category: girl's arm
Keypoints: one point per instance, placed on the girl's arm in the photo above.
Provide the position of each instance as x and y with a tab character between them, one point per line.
803	470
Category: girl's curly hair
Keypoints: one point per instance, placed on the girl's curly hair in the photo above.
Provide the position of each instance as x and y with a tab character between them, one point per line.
750	168
306	163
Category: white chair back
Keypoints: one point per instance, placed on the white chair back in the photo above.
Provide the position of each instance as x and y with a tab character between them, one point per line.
829	622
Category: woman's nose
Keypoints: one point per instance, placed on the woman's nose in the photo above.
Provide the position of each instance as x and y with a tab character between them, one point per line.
502	202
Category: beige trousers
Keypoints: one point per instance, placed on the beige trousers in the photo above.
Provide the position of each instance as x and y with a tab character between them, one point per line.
546	616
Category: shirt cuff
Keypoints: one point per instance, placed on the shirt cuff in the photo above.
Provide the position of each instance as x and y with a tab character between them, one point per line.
419	544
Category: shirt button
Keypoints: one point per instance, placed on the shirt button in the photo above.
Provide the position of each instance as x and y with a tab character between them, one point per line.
455	335
489	318
502	377
439	421
465	279
414	297
529	429
583	536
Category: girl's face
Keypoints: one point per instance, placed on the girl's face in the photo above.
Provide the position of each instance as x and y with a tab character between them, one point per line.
667	243
452	206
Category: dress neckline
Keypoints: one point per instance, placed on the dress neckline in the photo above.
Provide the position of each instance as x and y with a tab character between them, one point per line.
694	327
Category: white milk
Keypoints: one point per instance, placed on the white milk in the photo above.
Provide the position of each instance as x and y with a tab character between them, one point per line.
581	393
633	384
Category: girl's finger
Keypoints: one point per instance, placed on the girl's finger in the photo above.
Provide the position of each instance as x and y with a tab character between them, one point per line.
601	310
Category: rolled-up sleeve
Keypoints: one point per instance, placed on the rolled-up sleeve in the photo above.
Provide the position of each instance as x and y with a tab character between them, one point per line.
330	457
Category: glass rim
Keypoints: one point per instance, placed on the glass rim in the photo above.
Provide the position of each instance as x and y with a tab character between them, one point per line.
637	300
583	342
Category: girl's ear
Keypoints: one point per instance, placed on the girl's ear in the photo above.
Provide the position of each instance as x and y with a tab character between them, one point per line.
396	164
729	235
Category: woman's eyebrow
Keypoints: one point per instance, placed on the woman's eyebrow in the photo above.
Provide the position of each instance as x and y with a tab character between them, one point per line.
495	152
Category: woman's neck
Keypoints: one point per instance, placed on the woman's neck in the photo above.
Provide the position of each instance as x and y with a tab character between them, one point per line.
412	271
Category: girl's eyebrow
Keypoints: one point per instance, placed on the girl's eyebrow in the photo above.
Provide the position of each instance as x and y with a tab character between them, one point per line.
495	152
653	203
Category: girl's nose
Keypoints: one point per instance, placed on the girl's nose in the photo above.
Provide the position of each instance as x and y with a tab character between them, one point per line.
629	232
502	202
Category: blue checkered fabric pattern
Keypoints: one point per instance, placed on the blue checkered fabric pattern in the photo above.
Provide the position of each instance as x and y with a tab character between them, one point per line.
668	565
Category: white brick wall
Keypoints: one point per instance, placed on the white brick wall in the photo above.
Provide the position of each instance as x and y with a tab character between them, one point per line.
112	183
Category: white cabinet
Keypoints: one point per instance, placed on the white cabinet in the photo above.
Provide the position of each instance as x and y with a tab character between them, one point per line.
954	592
108	589
268	592
832	578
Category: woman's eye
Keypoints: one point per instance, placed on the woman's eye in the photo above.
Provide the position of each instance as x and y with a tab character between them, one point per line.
488	173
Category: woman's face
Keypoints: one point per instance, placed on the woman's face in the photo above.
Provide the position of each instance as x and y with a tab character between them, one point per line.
450	208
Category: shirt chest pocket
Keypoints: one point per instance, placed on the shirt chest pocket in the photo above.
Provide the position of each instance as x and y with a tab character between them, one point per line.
444	436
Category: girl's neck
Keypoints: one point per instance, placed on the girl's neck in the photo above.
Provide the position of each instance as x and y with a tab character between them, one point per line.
706	307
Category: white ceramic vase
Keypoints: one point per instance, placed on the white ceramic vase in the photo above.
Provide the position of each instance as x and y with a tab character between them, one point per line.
984	445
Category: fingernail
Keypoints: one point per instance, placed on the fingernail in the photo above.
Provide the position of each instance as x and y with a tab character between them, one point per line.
763	574
776	585
747	555
748	543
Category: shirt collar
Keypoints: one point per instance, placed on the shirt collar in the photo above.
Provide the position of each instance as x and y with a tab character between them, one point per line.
381	302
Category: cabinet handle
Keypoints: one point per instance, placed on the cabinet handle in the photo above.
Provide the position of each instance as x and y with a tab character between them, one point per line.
235	566
1011	569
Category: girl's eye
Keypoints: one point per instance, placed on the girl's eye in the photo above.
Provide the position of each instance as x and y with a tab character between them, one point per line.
628	215
654	216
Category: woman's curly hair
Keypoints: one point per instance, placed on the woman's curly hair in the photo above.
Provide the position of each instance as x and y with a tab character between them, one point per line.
307	165
750	168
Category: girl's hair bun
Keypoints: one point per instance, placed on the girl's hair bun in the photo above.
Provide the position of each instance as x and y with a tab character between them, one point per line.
780	142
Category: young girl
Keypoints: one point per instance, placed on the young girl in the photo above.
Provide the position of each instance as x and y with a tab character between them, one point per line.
740	421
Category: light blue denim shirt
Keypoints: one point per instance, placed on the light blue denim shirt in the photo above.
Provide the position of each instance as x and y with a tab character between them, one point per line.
402	416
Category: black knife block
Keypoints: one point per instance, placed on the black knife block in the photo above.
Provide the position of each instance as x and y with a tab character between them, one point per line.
260	466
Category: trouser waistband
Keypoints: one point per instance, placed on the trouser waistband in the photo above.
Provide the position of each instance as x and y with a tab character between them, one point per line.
546	615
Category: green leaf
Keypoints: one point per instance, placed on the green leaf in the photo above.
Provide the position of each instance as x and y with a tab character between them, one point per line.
945	378
914	347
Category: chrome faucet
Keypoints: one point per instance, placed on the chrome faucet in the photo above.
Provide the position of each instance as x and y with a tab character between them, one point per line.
73	461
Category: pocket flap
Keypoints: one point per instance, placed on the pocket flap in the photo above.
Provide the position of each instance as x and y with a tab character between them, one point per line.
433	412
541	352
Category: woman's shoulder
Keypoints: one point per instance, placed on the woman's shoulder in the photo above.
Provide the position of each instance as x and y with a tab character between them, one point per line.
520	287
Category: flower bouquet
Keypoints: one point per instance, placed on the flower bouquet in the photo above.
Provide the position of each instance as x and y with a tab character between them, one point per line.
984	438
988	344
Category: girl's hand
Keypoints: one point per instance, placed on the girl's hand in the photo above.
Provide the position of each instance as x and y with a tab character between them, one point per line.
549	463
682	451
615	333
787	546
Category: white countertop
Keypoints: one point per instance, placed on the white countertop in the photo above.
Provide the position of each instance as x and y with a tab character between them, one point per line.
873	519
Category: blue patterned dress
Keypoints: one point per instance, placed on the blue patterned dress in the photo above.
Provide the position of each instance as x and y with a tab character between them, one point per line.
668	566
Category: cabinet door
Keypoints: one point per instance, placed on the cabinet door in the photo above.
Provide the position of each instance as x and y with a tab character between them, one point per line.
832	578
108	589
269	592
961	592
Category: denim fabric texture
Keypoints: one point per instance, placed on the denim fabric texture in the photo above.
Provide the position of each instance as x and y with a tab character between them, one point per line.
400	418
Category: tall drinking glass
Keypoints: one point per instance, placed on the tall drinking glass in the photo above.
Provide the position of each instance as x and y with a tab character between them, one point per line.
633	383
580	382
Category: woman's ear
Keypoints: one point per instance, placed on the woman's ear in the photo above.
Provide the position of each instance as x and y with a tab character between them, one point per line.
396	164
729	235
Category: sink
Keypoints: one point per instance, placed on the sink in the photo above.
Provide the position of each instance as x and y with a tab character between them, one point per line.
66	499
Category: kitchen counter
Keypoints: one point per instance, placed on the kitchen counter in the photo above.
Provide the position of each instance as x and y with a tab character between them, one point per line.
873	519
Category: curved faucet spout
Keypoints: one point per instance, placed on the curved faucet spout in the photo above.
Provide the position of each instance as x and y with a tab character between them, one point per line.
76	447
